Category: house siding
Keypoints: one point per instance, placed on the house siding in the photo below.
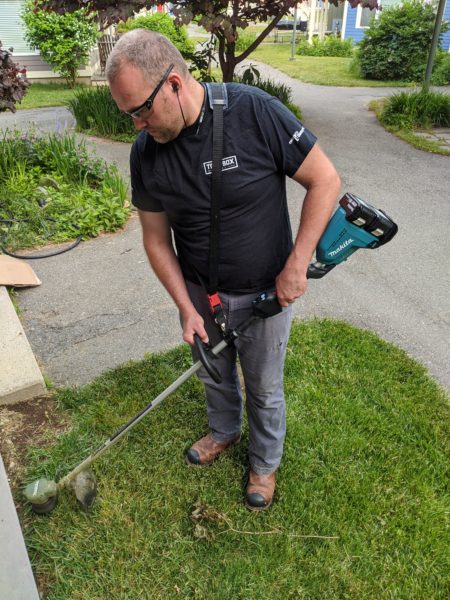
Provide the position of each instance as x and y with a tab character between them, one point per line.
351	31
446	36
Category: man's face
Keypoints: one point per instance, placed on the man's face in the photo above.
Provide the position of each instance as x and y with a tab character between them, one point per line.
163	121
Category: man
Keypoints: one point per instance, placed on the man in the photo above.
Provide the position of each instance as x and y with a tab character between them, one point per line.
171	187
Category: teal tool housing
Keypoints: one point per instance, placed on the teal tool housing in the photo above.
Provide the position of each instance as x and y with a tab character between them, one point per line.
355	224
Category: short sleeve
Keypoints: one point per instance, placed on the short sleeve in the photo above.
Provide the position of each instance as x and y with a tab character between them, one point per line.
289	140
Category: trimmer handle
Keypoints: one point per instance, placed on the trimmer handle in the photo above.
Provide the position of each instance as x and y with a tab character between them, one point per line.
266	305
205	356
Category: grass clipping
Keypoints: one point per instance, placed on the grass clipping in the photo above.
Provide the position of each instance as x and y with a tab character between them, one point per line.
204	515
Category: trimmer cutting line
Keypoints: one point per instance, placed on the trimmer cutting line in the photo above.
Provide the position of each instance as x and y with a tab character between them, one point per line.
354	225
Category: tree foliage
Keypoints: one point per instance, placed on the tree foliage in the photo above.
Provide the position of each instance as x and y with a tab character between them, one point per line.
220	17
64	40
13	81
162	23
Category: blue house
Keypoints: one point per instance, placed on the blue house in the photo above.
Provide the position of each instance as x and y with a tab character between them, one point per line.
356	20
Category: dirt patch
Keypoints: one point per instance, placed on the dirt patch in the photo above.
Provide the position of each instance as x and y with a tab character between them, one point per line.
33	423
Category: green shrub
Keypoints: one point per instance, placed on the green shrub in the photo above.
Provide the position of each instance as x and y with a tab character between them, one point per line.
51	189
251	76
162	23
64	40
331	45
409	110
95	110
441	71
396	45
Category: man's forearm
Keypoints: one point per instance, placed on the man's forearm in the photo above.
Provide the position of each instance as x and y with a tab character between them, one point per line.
165	264
317	208
322	183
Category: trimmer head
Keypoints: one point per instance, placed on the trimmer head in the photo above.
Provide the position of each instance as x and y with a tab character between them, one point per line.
42	494
85	487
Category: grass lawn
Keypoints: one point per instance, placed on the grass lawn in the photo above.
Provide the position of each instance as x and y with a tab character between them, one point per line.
320	70
40	95
361	498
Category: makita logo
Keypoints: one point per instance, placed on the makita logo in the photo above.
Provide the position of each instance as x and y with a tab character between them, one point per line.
230	162
341	247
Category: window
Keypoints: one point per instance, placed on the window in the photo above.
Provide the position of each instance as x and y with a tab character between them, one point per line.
364	16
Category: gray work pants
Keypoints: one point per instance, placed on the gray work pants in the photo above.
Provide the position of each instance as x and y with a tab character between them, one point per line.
261	349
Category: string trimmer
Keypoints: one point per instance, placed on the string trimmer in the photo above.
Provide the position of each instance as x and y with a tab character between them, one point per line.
354	225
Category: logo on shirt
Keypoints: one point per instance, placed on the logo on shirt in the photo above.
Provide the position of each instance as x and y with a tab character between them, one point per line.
230	162
297	135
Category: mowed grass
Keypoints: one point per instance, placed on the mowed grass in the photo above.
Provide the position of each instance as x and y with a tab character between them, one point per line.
360	510
320	70
41	95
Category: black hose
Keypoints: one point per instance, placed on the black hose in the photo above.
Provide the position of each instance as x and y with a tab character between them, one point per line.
10	222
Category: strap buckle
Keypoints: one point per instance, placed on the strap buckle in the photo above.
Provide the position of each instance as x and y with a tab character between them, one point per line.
215	304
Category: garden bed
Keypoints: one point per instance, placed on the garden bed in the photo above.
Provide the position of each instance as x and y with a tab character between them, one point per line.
52	190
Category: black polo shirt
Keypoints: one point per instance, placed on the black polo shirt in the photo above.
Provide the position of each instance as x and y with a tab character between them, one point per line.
263	142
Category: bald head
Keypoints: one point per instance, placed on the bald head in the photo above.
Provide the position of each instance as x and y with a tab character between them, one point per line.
148	51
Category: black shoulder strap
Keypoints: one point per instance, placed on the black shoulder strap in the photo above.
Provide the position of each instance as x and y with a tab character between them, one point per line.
218	101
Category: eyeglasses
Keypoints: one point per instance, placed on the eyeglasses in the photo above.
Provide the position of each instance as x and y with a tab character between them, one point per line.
136	113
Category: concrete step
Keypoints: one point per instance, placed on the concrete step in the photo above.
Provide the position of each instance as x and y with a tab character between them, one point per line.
20	376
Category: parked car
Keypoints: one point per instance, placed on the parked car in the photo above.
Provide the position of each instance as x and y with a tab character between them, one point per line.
288	25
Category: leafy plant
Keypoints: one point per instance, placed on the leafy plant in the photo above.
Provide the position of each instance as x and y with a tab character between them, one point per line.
13	82
64	40
95	110
244	40
395	46
417	109
251	76
331	45
51	189
441	72
201	60
162	23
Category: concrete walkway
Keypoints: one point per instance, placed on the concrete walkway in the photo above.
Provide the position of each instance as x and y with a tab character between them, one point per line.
16	577
100	305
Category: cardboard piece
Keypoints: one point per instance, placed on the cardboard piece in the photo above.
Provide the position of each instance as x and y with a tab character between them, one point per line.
16	272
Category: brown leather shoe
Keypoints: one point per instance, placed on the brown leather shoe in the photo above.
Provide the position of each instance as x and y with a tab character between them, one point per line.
206	450
260	491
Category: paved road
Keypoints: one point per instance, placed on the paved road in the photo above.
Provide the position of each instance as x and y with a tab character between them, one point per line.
100	305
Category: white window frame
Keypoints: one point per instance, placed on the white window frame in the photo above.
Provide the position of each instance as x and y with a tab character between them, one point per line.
359	9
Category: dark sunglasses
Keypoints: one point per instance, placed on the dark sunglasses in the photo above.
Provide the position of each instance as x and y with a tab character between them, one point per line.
136	112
